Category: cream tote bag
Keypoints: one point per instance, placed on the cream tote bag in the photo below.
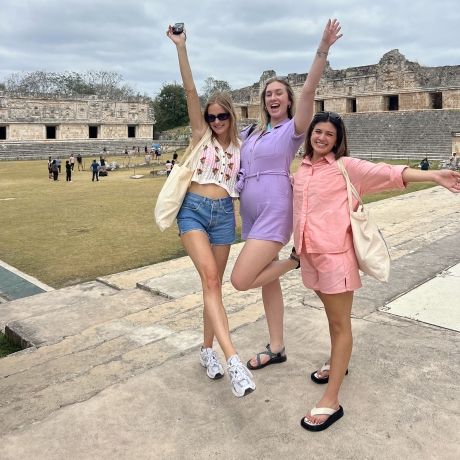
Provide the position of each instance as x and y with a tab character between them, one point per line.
174	189
370	247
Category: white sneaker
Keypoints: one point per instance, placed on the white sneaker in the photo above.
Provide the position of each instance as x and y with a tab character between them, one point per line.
240	377
209	360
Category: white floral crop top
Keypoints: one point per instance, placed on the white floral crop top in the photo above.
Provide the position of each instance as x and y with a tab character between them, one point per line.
216	166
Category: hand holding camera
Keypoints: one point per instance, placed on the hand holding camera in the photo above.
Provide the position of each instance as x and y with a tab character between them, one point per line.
178	28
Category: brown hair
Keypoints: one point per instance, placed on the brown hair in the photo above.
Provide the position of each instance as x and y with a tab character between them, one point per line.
264	116
341	145
225	101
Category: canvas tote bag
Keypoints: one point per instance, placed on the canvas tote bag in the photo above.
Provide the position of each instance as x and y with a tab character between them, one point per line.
370	247
174	189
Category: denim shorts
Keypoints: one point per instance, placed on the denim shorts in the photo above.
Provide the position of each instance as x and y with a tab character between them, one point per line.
216	218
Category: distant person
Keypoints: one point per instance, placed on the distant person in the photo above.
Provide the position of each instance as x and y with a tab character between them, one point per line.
58	162
79	162
157	155
50	172
55	170
168	166
68	171
453	161
102	161
71	161
424	164
126	150
95	170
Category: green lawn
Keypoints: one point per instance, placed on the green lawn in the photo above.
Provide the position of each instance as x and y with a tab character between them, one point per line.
64	233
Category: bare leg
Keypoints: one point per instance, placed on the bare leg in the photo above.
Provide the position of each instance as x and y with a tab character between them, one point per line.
257	265
199	249
221	256
338	311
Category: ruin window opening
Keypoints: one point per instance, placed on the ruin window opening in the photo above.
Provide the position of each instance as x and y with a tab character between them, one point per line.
2	133
51	132
436	100
351	105
319	106
93	132
244	112
392	102
132	131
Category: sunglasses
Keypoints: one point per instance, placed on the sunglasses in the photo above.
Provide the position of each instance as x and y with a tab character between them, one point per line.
220	116
328	116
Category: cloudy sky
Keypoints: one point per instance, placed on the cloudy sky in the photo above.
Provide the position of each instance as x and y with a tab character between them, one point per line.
232	40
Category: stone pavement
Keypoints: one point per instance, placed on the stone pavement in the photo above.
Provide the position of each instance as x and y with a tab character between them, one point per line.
112	369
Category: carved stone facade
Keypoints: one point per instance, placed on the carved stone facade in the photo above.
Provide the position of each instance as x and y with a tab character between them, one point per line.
393	84
39	119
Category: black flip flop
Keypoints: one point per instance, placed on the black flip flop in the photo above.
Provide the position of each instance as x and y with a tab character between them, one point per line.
275	358
334	415
323	380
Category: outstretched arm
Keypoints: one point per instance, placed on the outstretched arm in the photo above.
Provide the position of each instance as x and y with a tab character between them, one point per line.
445	177
304	111
197	122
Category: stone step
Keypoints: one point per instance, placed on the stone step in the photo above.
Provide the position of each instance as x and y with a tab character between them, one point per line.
79	365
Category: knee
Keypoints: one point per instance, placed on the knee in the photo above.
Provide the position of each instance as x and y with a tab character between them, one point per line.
239	283
211	282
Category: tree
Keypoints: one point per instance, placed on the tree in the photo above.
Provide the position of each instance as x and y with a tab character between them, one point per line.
211	85
101	83
170	107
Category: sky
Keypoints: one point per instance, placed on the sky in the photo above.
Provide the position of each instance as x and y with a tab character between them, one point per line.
231	40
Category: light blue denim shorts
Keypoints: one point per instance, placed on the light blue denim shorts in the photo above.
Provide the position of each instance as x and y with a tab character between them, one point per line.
216	218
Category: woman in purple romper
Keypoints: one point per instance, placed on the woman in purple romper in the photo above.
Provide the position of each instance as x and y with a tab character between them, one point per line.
266	193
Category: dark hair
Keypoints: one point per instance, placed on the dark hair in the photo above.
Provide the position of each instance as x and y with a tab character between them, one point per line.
340	148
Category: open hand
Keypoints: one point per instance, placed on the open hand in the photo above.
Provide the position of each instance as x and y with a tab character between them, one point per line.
449	179
331	32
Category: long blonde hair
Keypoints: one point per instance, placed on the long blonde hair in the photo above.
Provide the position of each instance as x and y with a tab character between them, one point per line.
225	101
264	116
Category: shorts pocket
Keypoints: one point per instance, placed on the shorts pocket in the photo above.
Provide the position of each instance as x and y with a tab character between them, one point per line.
192	203
227	207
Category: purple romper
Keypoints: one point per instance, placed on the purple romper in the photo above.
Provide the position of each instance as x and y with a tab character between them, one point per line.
266	194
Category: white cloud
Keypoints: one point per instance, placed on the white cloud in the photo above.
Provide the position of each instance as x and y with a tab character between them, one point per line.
233	41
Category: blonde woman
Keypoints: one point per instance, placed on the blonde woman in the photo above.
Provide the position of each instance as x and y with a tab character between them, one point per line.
206	219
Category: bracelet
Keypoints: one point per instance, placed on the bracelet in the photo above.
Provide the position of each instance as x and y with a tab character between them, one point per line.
320	53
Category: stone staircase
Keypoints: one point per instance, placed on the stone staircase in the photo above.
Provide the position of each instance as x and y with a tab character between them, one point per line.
404	134
85	338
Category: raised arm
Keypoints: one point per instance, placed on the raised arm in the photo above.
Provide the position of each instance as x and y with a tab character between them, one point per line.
304	111
445	177
197	122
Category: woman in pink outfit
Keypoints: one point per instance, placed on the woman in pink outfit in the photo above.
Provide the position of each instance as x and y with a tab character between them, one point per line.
323	240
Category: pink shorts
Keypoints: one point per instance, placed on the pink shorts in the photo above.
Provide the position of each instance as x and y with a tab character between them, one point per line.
330	273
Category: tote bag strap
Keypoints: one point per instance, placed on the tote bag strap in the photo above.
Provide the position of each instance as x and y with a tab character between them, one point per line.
350	187
197	148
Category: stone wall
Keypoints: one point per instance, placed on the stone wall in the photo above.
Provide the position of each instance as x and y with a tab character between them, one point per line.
371	86
27	118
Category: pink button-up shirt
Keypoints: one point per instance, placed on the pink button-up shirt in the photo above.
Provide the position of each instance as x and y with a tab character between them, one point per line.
321	215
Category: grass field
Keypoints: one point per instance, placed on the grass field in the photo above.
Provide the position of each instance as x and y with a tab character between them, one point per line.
67	232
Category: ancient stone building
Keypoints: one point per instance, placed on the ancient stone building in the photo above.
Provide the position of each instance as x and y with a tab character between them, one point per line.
396	107
42	124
